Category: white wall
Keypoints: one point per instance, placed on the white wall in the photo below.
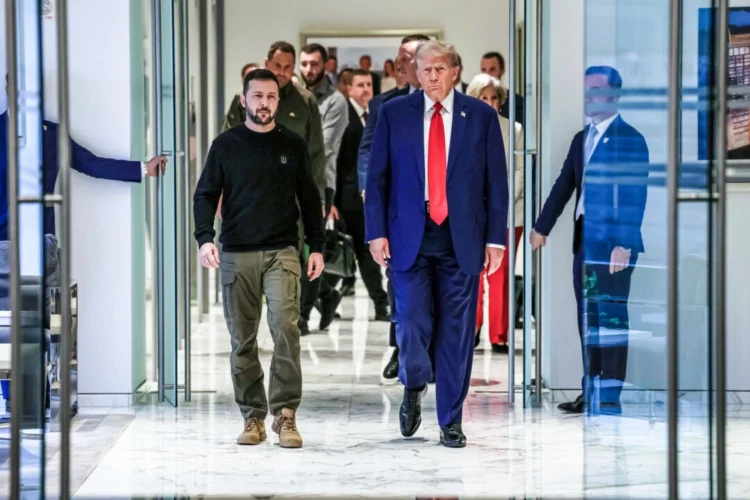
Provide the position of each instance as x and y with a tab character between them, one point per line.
474	26
563	117
100	120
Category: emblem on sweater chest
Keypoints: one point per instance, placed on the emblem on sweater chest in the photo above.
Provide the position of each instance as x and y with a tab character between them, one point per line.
282	159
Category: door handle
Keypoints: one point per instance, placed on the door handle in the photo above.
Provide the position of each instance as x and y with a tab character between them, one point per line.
169	153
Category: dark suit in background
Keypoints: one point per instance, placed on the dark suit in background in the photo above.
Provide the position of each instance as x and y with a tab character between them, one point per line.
505	109
375	84
349	202
362	164
614	204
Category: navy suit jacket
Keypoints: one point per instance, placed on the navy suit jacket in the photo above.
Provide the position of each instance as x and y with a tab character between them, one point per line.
369	132
83	161
477	181
616	189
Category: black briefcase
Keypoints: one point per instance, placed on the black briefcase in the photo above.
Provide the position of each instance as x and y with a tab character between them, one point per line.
338	254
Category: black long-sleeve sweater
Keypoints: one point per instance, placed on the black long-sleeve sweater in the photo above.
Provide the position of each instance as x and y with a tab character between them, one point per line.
261	176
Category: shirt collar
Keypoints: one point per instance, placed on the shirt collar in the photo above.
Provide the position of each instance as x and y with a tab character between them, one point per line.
359	109
447	102
321	89
412	89
604	125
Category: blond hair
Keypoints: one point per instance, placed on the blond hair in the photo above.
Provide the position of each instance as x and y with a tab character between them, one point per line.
481	82
438	48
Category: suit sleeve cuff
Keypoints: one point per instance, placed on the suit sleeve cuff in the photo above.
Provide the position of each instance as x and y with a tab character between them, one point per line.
493	245
204	238
316	247
144	169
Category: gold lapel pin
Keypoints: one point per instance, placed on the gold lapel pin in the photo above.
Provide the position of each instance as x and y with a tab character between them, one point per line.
291	114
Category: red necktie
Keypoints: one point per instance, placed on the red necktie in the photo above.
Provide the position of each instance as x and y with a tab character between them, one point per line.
437	167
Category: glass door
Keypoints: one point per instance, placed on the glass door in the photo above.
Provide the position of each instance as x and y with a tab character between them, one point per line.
22	316
166	141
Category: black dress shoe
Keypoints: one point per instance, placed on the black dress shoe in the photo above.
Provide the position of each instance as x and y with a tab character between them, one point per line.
500	348
410	416
572	407
382	314
303	328
347	290
451	436
477	338
391	369
328	309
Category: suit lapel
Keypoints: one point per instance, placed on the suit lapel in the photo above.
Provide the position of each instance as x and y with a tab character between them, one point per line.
416	124
457	130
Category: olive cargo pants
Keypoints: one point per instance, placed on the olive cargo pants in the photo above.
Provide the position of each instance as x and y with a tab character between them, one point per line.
245	278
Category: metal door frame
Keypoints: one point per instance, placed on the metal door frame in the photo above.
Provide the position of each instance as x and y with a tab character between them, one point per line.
62	199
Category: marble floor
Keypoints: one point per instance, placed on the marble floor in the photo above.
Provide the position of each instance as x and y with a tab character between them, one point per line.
353	447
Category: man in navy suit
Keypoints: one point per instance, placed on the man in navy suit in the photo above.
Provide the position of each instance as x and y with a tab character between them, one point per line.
436	211
405	61
614	156
82	160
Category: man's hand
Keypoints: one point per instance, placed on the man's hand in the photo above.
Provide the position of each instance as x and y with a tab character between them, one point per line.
209	256
537	240
620	260
381	251
334	215
493	258
156	165
315	266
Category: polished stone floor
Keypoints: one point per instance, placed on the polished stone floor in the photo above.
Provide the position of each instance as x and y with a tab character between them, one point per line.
353	448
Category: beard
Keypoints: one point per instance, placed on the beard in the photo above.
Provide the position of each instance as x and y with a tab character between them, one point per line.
316	80
257	119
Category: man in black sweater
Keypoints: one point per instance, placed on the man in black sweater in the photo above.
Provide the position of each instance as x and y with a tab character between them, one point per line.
261	167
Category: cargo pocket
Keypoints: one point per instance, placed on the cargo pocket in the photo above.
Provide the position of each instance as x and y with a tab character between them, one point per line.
229	294
292	272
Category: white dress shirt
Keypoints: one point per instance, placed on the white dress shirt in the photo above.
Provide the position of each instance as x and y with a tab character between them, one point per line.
360	111
447	114
601	130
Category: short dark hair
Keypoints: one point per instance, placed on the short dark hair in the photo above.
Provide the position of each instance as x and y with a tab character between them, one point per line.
498	56
285	47
345	75
258	74
312	48
417	37
358	72
247	67
365	55
613	76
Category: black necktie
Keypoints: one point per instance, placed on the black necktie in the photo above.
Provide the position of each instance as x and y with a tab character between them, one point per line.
364	116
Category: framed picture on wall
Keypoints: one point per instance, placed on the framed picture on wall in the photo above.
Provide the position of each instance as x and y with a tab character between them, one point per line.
348	47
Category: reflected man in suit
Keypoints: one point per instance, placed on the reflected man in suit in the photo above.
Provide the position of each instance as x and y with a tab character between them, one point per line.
404	64
607	239
436	210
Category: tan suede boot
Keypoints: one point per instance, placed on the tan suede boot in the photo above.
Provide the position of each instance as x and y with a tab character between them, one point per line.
253	433
285	425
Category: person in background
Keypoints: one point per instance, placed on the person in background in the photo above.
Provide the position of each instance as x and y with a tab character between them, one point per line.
365	63
436	209
335	115
490	90
344	79
348	201
405	62
460	85
493	64
332	66
400	75
263	169
236	113
389	76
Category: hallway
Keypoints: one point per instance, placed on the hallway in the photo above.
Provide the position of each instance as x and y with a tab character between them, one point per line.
349	420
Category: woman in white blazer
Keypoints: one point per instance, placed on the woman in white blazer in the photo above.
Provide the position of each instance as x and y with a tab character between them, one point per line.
490	90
